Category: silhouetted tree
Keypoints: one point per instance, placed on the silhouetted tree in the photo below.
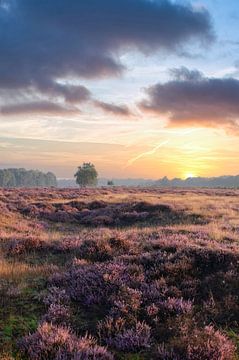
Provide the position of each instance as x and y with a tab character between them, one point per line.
110	183
86	175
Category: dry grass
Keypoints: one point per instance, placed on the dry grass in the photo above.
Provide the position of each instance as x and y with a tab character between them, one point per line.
17	272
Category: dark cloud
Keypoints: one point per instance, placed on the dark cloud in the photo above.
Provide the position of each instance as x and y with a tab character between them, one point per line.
72	94
184	73
121	110
192	99
43	107
42	41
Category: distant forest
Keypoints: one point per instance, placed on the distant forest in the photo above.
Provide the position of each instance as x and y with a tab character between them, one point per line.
212	182
10	178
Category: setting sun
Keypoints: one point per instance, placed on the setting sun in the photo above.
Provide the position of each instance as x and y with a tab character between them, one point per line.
189	175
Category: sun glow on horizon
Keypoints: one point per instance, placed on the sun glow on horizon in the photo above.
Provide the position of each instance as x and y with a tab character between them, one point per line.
189	175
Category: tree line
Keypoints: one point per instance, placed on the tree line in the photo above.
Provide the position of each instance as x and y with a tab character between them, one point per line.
211	182
10	178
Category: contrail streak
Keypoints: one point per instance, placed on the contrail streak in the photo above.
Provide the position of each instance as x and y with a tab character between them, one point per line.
150	152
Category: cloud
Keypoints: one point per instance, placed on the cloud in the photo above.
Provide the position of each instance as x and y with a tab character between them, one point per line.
72	94
184	74
121	110
40	107
190	98
44	41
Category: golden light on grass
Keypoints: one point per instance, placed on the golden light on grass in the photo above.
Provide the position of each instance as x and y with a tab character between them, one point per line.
18	271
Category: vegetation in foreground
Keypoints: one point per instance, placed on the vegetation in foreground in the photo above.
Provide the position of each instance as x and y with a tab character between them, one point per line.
119	274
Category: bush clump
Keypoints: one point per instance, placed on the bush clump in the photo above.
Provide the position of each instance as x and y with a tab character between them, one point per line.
59	343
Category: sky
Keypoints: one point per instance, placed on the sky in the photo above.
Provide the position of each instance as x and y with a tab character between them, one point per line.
141	88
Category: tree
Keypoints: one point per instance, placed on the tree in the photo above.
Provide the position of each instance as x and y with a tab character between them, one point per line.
26	178
86	175
51	179
9	179
110	183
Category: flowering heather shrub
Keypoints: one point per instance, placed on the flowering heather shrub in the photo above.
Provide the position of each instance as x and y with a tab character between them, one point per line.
58	216
127	301
25	245
209	344
47	341
57	315
164	353
88	286
66	245
116	333
206	344
152	310
143	206
131	217
31	210
189	287
58	279
175	306
107	283
121	245
99	250
98	213
94	250
94	284
120	274
56	296
88	349
100	220
152	292
96	205
79	262
132	288
79	205
94	218
58	343
85	352
110	326
132	339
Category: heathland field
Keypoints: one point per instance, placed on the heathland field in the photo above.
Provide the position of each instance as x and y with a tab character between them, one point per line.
118	273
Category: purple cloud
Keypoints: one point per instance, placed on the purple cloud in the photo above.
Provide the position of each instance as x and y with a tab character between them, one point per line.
44	41
121	110
193	99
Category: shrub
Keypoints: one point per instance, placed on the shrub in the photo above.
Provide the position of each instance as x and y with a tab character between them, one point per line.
133	339
88	286
95	250
95	284
175	306
58	343
57	315
110	326
46	342
121	245
25	245
56	296
165	353
208	344
127	301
